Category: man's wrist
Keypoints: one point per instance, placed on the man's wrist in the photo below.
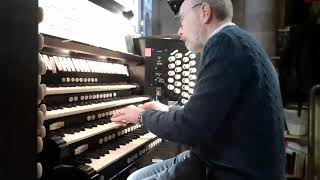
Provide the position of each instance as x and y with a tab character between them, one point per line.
140	118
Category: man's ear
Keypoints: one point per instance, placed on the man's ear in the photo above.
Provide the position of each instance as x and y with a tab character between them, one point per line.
206	13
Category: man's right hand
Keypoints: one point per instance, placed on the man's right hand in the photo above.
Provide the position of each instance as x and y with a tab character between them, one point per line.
155	105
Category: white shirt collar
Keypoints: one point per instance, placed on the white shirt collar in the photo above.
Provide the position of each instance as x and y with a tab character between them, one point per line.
221	27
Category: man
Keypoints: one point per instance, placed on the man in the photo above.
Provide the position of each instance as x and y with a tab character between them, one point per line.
234	120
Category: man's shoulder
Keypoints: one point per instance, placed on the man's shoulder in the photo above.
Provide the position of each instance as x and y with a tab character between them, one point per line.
227	35
227	31
233	44
232	30
233	35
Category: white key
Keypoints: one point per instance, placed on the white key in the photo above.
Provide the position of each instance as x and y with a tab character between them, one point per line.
57	63
70	64
65	63
113	156
75	63
86	66
46	60
53	65
89	65
78	61
57	60
89	132
93	107
80	64
73	69
67	90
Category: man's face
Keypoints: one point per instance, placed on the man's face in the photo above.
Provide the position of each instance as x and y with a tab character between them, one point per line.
190	26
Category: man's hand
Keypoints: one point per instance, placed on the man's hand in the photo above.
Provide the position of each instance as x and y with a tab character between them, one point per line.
127	115
155	105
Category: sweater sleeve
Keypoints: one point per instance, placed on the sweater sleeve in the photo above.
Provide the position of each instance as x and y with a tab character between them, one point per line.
219	82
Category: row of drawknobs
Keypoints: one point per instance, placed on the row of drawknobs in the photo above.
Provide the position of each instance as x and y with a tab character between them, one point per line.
181	75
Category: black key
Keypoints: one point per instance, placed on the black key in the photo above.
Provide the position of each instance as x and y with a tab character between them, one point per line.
67	106
67	131
100	152
122	142
99	122
77	129
79	161
112	146
94	124
105	150
95	156
61	134
89	126
85	159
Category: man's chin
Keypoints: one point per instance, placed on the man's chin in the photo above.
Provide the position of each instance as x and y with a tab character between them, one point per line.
194	49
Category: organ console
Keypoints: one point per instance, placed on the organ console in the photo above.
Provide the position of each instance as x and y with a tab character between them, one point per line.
60	95
79	92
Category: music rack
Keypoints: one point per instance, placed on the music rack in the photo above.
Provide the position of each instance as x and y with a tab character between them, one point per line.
86	49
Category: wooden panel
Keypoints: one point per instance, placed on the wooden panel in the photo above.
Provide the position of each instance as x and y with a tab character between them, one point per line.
18	69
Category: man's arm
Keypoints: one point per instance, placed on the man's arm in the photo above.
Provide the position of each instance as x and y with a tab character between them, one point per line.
220	79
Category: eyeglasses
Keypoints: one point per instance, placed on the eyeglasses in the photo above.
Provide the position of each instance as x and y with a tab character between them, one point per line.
180	16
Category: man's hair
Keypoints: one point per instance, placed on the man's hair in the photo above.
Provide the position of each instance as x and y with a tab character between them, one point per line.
223	9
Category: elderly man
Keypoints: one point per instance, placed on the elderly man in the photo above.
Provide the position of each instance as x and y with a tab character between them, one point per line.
234	120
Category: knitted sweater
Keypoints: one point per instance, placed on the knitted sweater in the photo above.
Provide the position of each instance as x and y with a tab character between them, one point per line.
234	119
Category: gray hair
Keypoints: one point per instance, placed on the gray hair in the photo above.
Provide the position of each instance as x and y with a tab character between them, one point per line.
223	9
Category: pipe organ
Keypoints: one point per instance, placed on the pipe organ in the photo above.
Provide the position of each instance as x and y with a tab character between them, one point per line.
61	96
79	90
